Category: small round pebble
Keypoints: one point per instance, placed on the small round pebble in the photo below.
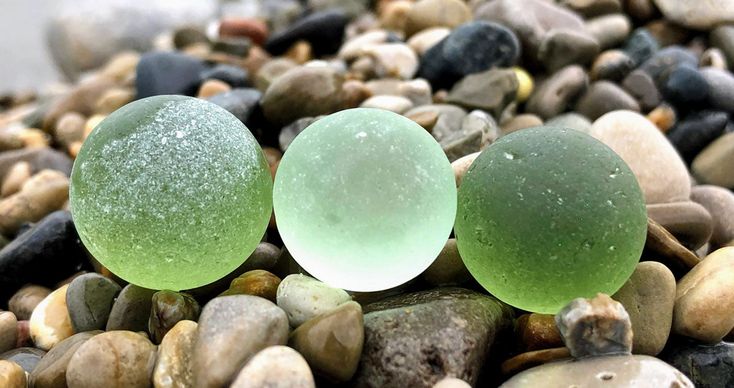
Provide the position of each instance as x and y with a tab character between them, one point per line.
303	297
50	322
275	367
12	375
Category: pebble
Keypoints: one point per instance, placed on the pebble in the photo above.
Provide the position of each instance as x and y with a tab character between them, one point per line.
70	128
560	48
593	8
612	65
39	158
256	282
491	91
174	368
451	382
110	101
662	175
232	329
641	86
241	102
663	62
26	299
713	164
684	87
51	370
415	340
696	131
12	375
537	331
237	27
8	331
269	71
436	13
527	360
211	88
89	301
27	358
324	30
160	73
427	38
121	66
187	36
648	297
392	60
609	30
663	116
418	91
571	120
303	297
603	97
169	308
668	249
50	322
713	58
720	204
352	48
595	327
461	166
640	46
708	366
722	37
51	244
332	342
293	95
490	45
393	14
521	121
40	195
448	268
554	95
397	104
705	298
290	131
80	37
697	16
525	84
275	367
131	309
623	371
14	180
721	88
688	221
114	358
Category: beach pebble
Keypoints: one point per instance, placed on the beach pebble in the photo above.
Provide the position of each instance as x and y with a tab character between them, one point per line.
537	331
697	130
241	102
50	322
8	331
648	297
451	382
708	366
595	327
16	177
448	268
303	297
713	164
89	300
114	358
275	367
392	60
12	375
554	95
490	91
662	175
611	65
51	370
160	73
131	309
28	358
173	368
314	339
609	30
721	88
324	31
232	329
256	282
436	13
169	308
397	104
720	204
26	299
563	47
603	97
705	298
424	40
641	86
40	195
697	16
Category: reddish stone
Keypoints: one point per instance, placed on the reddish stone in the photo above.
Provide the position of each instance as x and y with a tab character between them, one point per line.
254	29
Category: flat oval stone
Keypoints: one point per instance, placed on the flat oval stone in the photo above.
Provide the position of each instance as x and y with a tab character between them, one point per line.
657	166
50	322
332	342
688	221
51	370
713	165
303	297
555	94
649	297
720	204
89	300
276	367
256	282
8	331
705	298
169	308
173	368
231	330
114	358
131	309
436	13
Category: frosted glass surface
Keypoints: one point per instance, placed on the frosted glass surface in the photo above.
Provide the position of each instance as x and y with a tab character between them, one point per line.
364	199
171	192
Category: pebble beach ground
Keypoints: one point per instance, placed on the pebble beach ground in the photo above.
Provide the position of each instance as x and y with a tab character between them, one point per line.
648	78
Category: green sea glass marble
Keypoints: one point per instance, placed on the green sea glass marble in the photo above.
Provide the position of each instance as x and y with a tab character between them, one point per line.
364	199
171	192
547	215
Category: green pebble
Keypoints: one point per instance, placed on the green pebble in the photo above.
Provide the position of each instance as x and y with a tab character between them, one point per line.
171	192
547	215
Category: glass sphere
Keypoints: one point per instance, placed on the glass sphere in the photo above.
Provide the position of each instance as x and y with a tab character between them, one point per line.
547	215
171	192
364	199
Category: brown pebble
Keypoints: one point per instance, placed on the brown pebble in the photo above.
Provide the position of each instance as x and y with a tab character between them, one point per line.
528	360
257	282
254	29
40	195
663	117
538	331
26	299
212	87
667	248
521	121
113	99
426	119
16	176
300	52
70	128
12	375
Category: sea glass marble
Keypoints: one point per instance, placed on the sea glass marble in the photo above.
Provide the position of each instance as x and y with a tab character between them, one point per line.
171	192
547	215
364	199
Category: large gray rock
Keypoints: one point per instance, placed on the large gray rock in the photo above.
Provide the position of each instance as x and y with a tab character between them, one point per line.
708	366
83	35
415	340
